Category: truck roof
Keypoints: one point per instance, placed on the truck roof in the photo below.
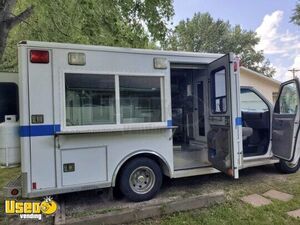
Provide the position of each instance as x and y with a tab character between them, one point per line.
82	47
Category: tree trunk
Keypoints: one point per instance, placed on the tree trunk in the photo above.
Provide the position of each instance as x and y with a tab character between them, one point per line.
3	38
7	21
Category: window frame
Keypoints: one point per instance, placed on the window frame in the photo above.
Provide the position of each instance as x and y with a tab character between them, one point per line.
212	91
117	125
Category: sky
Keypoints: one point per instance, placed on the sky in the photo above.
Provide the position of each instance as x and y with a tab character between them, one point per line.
279	38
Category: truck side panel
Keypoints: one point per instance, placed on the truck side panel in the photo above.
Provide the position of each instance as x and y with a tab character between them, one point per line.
57	163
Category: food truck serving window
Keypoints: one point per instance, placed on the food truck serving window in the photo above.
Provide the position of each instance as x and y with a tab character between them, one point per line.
140	99
218	91
90	99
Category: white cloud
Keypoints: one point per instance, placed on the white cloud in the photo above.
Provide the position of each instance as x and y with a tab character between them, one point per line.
282	46
282	73
268	33
296	62
288	37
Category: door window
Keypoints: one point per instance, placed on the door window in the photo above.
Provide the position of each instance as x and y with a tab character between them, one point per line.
251	102
288	100
219	102
201	118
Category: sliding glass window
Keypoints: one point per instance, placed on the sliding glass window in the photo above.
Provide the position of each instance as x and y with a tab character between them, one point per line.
140	99
90	99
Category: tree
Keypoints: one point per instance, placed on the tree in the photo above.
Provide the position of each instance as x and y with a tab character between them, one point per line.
204	34
8	20
124	23
296	15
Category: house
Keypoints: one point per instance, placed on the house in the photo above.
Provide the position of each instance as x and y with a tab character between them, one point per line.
267	86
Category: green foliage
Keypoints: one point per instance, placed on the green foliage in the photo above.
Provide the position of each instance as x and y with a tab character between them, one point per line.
126	23
204	34
296	15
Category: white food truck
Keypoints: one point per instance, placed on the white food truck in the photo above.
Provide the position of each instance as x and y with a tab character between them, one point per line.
96	117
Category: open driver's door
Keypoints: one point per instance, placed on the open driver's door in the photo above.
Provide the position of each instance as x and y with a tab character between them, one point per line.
224	137
285	123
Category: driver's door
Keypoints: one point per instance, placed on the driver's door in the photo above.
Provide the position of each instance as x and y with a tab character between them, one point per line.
285	123
224	137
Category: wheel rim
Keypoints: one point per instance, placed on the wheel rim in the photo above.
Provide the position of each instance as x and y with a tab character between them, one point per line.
291	165
142	180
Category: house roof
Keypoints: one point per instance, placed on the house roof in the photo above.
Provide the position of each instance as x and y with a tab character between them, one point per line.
261	76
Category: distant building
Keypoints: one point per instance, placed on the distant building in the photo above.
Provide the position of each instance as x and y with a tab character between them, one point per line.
267	86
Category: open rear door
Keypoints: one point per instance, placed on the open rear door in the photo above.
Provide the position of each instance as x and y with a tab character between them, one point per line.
285	126
224	136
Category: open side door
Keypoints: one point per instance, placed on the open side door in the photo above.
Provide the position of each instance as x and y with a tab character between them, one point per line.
285	123
224	137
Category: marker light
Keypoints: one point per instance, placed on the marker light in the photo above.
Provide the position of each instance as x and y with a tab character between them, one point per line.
14	192
76	58
39	56
160	63
237	64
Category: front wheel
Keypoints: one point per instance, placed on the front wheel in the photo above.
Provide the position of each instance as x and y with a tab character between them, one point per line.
140	179
287	167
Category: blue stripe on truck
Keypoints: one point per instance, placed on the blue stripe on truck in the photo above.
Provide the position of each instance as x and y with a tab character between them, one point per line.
39	130
238	121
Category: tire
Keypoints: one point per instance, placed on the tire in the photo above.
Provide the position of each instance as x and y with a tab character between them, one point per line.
140	179
285	167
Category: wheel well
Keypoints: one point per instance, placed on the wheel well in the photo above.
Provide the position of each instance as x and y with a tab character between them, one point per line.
162	164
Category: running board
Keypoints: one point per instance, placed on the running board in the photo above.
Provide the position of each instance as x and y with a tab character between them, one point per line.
211	170
194	172
261	162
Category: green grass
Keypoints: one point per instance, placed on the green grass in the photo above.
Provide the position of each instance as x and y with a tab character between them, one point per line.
5	176
233	211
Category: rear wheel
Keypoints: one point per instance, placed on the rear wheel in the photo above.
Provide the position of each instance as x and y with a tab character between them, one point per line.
140	179
287	167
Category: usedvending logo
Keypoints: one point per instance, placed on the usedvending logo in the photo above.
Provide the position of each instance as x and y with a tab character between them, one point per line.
31	209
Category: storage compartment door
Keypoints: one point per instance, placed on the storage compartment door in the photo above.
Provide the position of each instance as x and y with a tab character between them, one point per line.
224	136
285	125
83	166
